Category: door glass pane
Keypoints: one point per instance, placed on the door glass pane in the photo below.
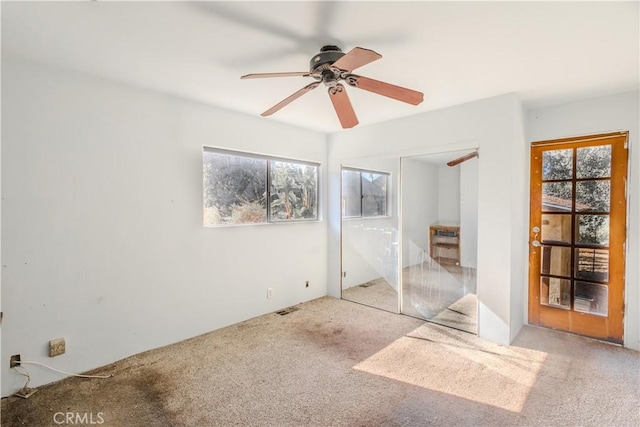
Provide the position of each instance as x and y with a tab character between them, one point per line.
593	162
591	298
593	196
557	164
556	196
555	292
556	260
592	264
593	230
556	228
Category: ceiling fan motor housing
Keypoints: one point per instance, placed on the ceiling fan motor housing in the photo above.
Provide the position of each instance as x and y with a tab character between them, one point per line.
327	56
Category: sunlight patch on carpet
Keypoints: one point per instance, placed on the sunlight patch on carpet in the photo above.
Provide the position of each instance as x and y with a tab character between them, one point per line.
459	364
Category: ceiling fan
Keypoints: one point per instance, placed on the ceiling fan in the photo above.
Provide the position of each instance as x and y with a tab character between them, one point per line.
332	66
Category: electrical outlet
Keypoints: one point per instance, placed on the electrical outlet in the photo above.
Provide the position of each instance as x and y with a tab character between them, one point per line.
269	293
14	361
306	284
56	347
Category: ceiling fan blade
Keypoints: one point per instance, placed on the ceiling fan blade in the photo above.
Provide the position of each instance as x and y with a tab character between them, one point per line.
343	107
292	74
386	89
356	58
288	100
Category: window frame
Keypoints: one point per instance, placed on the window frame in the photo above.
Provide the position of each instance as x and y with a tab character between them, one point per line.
386	195
268	159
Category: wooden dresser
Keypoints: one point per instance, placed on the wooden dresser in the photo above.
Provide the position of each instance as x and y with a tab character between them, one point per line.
444	243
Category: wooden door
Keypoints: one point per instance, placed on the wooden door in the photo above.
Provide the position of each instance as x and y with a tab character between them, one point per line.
577	235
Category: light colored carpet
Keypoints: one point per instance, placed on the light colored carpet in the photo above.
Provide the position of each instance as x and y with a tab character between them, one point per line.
336	363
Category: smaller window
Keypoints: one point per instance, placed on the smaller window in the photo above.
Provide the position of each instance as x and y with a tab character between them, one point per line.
364	193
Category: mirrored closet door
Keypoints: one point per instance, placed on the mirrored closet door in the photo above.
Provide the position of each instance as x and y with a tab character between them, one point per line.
439	238
370	254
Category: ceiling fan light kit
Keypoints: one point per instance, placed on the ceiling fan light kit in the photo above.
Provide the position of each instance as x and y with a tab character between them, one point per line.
331	67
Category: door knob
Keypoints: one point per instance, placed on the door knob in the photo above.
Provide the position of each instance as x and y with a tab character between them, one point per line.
536	243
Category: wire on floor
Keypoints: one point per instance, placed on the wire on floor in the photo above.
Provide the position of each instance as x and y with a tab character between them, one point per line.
25	374
25	392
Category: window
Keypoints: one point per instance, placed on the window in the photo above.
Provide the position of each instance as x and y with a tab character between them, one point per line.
241	188
364	193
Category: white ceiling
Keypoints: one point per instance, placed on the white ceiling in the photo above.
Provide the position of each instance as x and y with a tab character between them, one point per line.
455	52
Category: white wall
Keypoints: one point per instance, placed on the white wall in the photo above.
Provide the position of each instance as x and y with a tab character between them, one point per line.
102	236
601	115
489	124
469	213
448	195
419	208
